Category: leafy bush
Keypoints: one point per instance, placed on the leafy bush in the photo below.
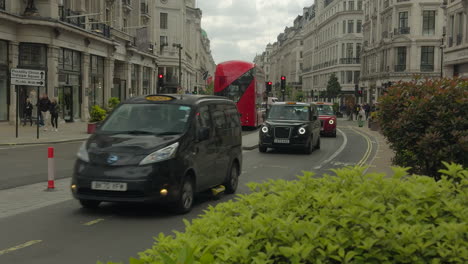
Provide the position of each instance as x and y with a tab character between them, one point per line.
347	218
112	103
97	114
426	122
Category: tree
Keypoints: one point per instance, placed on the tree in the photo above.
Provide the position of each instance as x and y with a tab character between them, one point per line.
209	89
333	87
299	96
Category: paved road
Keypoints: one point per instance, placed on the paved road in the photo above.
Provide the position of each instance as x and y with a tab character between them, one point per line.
66	233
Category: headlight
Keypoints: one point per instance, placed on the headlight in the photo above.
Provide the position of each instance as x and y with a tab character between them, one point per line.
161	155
302	131
331	122
83	153
265	129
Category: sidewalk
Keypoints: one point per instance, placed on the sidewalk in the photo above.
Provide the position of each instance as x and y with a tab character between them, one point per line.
27	135
382	161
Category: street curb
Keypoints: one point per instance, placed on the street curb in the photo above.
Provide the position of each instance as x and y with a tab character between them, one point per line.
250	148
42	143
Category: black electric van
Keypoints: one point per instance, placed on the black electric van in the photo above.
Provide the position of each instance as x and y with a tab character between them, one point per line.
161	148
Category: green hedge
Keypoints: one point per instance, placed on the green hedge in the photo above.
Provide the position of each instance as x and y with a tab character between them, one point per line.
346	218
426	121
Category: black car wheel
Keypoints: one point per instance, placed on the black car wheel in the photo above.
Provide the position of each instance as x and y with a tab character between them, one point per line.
186	198
310	147
90	204
233	179
262	149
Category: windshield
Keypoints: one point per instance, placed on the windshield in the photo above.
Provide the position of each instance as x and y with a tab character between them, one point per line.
289	112
325	109
158	119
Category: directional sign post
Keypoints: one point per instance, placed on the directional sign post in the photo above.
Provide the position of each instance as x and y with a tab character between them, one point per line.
26	77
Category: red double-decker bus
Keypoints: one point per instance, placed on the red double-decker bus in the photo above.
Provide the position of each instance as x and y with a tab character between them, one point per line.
244	83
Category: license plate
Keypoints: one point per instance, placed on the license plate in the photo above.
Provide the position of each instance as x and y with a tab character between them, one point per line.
281	141
109	186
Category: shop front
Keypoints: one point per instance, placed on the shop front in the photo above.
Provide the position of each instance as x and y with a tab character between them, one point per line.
69	90
96	82
4	95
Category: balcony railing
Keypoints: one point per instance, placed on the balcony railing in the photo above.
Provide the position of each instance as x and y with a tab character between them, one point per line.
427	67
101	28
2	4
402	31
350	61
400	68
459	39
65	17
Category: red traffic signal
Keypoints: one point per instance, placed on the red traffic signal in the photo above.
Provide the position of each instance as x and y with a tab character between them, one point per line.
160	76
270	83
283	78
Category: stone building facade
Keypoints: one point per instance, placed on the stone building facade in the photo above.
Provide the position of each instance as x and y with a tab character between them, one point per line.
92	50
456	48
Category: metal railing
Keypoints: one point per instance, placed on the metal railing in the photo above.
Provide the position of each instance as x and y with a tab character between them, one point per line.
350	60
64	16
402	31
400	68
101	28
427	67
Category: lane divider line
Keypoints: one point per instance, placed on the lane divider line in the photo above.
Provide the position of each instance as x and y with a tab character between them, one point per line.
342	147
90	223
24	245
366	156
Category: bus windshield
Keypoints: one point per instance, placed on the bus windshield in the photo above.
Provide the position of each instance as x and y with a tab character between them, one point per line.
325	109
289	112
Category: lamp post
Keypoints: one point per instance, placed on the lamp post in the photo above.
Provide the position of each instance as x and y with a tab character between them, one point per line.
444	7
179	46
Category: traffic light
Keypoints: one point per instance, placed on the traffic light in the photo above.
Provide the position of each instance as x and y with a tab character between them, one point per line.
356	90
283	83
160	79
360	93
268	86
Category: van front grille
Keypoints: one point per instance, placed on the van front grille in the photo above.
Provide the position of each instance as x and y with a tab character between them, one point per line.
282	132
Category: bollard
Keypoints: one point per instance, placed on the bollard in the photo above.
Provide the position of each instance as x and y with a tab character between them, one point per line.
51	169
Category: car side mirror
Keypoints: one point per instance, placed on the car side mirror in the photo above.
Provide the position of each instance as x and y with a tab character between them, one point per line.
203	133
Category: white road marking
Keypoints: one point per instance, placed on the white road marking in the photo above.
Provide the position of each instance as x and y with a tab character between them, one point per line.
24	245
90	223
342	147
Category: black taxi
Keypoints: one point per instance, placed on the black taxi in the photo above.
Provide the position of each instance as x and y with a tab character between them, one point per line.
161	148
291	125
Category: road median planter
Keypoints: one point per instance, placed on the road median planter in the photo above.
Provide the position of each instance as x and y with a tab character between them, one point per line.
350	217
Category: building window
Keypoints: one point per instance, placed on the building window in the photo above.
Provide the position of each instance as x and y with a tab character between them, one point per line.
359	26
163	21
146	80
359	5
460	29
344	26
351	5
427	58
401	59
428	23
350	26
2	4
358	50
403	21
349	50
349	76
96	93
33	55
3	80
163	41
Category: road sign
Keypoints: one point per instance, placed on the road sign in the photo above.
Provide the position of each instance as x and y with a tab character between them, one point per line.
27	77
27	82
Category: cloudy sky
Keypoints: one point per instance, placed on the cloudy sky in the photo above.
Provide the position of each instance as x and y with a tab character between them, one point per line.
239	29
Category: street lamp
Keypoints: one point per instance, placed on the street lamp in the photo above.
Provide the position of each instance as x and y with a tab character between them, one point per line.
444	7
179	46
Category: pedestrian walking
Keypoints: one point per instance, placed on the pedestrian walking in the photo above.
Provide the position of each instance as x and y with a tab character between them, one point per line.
367	110
44	105
54	110
27	112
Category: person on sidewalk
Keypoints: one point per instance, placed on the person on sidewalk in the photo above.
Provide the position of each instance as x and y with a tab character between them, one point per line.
44	105
28	108
54	110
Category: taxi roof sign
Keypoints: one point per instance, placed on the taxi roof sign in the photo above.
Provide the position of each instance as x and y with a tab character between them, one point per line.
159	98
291	103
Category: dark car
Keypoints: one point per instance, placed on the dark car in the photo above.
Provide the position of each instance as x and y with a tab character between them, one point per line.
161	148
327	119
291	125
